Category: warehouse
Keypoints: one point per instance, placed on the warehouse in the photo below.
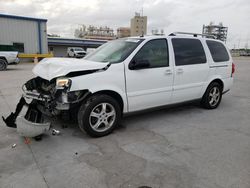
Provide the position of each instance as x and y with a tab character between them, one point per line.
27	35
58	46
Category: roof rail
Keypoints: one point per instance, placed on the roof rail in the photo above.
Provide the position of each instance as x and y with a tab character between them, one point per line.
194	34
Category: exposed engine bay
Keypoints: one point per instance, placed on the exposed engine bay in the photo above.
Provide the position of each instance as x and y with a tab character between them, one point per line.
42	98
49	94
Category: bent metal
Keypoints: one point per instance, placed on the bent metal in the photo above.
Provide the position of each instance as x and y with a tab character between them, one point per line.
123	76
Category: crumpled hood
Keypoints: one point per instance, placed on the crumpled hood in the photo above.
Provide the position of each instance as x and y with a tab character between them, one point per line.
50	68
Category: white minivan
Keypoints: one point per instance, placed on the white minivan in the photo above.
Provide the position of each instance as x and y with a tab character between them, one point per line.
128	75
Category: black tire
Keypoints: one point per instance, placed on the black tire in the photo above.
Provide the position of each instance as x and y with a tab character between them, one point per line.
93	103
207	101
3	64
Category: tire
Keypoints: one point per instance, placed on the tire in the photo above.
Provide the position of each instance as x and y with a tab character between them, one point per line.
96	120
3	64
212	97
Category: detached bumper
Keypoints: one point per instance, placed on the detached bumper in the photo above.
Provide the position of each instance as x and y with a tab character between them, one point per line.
27	119
30	129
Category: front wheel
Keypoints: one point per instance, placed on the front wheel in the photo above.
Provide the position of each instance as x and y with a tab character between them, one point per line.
99	115
212	96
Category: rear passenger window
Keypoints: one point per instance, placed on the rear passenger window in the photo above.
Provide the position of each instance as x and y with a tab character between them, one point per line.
188	51
218	51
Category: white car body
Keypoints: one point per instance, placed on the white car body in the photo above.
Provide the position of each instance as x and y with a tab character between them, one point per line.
76	52
11	57
146	88
126	84
7	58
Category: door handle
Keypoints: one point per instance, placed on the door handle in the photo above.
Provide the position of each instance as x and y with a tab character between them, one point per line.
180	71
168	72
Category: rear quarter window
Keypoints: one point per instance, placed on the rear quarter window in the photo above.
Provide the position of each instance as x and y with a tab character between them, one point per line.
218	51
188	51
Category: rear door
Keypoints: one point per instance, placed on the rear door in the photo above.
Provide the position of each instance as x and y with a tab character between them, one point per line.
191	69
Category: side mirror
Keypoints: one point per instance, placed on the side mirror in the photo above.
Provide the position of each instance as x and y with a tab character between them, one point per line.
138	64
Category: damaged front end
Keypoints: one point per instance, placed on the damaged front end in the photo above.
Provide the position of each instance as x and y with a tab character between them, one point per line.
42	99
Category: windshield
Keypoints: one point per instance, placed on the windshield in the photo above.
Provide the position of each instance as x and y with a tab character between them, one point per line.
78	49
114	51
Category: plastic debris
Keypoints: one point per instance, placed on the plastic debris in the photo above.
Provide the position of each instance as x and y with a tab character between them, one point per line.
26	140
13	146
55	132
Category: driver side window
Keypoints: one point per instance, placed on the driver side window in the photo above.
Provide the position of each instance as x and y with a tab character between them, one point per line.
155	52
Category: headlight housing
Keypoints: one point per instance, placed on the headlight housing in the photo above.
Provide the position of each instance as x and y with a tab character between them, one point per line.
62	83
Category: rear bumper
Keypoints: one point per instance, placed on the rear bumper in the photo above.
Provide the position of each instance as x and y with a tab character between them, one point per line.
14	61
228	83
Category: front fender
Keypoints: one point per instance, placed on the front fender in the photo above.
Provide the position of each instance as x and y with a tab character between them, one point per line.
112	79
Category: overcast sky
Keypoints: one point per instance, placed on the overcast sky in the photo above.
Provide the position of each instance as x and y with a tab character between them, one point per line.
64	16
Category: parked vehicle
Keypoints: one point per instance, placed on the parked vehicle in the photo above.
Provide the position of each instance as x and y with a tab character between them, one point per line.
128	75
8	55
76	52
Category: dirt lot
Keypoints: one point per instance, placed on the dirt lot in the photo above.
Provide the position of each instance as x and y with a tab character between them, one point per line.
184	147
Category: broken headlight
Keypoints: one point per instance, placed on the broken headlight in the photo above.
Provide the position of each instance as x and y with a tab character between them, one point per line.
62	83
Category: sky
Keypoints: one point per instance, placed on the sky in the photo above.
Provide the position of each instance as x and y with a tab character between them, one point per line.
64	16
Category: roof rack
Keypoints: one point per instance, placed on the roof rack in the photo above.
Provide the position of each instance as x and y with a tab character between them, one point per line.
194	34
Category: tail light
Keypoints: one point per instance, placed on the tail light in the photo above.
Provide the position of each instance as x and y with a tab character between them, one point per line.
233	69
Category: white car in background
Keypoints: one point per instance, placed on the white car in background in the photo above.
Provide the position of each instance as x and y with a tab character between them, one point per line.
76	52
7	58
127	75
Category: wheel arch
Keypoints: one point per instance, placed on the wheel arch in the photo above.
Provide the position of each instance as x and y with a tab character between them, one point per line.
4	58
214	79
113	94
219	81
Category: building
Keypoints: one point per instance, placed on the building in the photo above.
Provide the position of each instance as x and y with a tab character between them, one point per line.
93	32
138	25
218	31
58	46
26	34
123	32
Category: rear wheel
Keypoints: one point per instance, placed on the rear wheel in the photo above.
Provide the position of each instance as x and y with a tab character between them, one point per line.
99	115
3	64
212	96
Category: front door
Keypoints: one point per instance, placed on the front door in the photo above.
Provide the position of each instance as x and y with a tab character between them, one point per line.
150	86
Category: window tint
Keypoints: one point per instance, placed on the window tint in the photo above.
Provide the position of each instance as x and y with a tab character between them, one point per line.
154	51
218	51
188	51
19	47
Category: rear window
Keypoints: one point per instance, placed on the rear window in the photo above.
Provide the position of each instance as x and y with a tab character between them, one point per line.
218	51
188	51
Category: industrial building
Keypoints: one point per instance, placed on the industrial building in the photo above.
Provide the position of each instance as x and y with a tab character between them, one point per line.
123	32
218	31
27	35
94	32
58	46
138	25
